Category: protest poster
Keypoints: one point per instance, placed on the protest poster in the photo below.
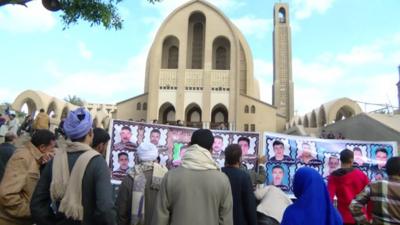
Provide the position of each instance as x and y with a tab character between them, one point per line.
172	142
285	154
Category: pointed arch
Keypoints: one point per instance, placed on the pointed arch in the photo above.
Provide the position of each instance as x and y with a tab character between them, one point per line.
166	113
193	115
170	53
221	53
313	120
196	40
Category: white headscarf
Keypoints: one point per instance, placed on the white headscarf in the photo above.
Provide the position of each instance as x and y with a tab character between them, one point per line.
147	152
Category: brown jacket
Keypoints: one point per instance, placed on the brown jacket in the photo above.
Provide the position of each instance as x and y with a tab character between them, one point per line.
42	121
17	186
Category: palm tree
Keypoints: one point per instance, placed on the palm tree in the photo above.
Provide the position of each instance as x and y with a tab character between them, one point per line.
75	100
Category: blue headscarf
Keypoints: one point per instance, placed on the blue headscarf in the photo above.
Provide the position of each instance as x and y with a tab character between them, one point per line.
78	123
313	206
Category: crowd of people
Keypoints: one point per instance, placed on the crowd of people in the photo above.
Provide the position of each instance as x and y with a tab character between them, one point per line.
55	180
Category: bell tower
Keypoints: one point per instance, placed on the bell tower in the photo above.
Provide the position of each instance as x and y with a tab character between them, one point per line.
282	96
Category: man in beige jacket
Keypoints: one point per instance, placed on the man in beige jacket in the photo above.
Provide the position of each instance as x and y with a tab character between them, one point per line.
20	178
42	121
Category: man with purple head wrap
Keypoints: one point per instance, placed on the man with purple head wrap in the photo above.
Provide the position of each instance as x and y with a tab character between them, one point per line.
77	178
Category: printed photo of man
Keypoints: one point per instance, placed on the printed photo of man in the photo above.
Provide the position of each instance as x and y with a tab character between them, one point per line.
277	177
359	159
279	153
155	136
218	146
307	155
244	143
125	144
123	161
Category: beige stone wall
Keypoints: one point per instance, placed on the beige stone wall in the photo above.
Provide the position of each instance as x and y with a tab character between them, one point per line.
264	118
128	109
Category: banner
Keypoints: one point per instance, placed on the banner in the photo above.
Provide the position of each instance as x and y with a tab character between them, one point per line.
172	142
285	154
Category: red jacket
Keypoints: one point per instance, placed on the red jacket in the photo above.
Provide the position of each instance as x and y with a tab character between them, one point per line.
346	184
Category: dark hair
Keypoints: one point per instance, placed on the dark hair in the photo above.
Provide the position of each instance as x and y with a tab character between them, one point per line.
381	150
277	167
123	153
41	110
99	136
9	137
42	137
202	137
346	156
393	166
233	152
126	128
277	142
244	139
155	131
357	149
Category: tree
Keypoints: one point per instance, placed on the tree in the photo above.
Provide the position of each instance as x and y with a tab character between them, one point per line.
75	100
96	12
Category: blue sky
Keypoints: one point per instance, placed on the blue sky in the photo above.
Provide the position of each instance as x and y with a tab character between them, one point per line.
341	48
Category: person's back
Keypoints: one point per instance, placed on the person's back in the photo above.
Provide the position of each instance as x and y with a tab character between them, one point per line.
42	120
195	193
6	150
384	196
346	183
244	204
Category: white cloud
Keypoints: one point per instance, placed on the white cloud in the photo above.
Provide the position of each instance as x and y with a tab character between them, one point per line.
307	98
8	95
35	17
97	86
252	26
315	72
305	8
361	55
84	51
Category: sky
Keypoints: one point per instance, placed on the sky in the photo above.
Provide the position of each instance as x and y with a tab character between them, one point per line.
340	48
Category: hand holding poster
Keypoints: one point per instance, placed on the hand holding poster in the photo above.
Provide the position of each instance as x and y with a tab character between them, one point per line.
288	153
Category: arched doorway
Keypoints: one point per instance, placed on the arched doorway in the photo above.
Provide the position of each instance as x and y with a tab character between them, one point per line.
321	117
29	107
219	117
52	109
313	121
344	112
166	114
64	113
193	116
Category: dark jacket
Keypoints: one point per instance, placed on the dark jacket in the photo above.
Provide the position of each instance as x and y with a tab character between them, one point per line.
96	195
6	151
244	202
124	199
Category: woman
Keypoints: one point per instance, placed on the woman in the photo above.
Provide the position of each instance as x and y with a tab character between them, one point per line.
313	206
141	183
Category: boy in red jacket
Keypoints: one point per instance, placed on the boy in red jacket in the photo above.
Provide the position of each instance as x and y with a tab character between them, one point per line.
346	183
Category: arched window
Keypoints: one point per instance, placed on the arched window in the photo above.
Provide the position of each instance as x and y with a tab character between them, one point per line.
221	54
138	106
246	109
282	15
196	37
170	53
144	106
253	109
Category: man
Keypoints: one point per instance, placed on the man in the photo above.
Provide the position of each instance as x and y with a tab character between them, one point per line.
125	143
42	121
279	150
333	164
20	178
358	157
196	192
381	156
346	183
244	143
12	124
244	203
75	187
6	150
307	155
277	177
142	182
100	140
123	161
384	195
155	136
217	147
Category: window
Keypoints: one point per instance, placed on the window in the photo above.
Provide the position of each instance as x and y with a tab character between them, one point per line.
253	127
253	109
246	109
144	106
138	106
246	127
